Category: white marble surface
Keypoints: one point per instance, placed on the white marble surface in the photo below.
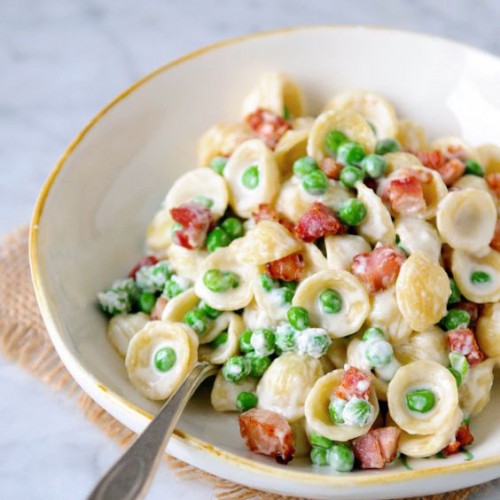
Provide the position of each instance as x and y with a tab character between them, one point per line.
60	62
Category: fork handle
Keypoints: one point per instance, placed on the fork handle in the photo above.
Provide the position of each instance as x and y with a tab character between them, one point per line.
132	475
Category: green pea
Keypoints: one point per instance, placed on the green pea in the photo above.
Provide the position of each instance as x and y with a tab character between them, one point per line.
336	410
379	353
175	286
420	400
385	146
374	166
455	293
358	412
478	277
220	281
320	441
456	375
153	278
350	153
217	238
147	301
290	285
250	177
263	341
245	341
455	318
373	333
233	227
286	295
319	456
474	168
286	113
235	369
258	364
114	301
304	166
349	176
285	338
315	183
397	240
330	301
246	401
298	317
335	139
165	359
268	283
459	363
210	312
341	458
204	201
313	341
220	340
352	212
197	320
218	164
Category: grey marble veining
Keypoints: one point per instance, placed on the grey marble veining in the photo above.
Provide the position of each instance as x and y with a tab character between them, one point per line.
60	62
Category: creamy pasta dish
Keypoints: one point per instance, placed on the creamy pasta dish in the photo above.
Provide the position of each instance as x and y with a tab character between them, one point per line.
342	270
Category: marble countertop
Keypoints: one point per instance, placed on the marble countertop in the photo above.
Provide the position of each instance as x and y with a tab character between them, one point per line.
60	62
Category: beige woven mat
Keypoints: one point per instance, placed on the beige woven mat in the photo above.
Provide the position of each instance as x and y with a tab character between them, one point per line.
23	339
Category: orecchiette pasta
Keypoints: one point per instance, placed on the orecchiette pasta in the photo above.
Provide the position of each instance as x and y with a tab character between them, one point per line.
218	354
314	260
489	156
159	235
291	147
317	415
186	262
337	352
286	384
412	136
177	307
488	330
400	159
252	176
417	235
354	300
254	317
428	345
341	248
300	439
123	327
451	144
224	393
474	392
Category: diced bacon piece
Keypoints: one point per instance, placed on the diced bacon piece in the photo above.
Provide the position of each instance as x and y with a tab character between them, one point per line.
469	307
146	261
431	159
451	171
388	439
367	452
378	269
318	221
268	212
493	181
406	195
456	152
495	242
450	166
463	438
331	168
268	126
195	220
462	340
355	383
267	433
289	268
161	303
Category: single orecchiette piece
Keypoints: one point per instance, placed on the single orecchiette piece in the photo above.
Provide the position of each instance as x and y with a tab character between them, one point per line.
466	219
488	330
300	440
254	317
351	123
412	136
430	345
290	147
253	177
160	356
267	241
222	140
201	183
422	397
341	248
218	354
184	262
275	92
287	382
177	307
422	291
426	445
377	225
337	352
385	314
417	235
475	391
158	234
123	327
375	108
478	278
489	157
225	283
351	302
451	145
400	159
224	393
317	414
314	259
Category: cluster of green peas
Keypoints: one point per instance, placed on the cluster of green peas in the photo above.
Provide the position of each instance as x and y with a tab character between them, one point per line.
325	452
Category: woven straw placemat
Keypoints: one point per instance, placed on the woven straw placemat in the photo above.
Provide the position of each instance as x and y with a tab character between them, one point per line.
23	339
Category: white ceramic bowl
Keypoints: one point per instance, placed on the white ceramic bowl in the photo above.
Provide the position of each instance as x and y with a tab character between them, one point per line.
89	223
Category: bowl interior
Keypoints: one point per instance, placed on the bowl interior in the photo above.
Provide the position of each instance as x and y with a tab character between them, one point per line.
91	222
